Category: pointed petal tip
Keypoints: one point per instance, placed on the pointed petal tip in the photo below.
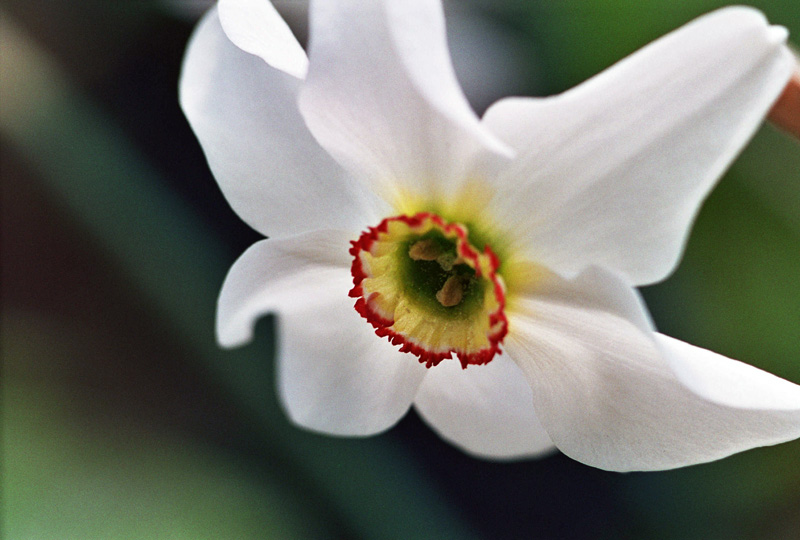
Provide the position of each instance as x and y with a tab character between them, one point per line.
777	35
256	27
728	382
745	16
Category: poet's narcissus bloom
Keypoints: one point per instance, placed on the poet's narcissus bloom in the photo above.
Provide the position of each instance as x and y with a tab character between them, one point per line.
483	270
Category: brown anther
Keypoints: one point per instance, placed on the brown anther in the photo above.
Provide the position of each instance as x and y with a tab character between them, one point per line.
425	250
452	292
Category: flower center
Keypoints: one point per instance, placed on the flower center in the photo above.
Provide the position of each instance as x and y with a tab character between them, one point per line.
420	282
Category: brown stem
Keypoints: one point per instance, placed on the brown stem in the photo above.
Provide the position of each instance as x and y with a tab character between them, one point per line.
786	112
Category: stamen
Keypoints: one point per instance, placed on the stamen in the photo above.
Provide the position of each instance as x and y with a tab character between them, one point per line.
452	292
425	250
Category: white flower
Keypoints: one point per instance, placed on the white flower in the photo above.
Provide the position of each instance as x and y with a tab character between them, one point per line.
514	241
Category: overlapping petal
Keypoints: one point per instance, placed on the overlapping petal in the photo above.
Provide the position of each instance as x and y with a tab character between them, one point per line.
382	98
269	167
485	410
613	172
256	27
334	374
607	396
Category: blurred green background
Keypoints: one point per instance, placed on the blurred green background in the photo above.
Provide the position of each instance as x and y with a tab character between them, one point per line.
121	419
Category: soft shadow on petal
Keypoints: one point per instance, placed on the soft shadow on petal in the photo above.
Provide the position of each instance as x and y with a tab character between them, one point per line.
256	27
607	396
381	96
269	167
334	374
485	410
613	171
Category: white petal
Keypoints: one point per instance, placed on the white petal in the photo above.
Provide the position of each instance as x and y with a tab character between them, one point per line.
269	167
606	395
613	172
266	277
485	410
381	95
256	27
729	382
334	374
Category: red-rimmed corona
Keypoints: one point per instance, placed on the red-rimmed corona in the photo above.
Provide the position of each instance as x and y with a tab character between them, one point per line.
420	283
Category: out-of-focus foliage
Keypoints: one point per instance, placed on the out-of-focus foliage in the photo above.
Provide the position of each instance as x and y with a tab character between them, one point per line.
74	473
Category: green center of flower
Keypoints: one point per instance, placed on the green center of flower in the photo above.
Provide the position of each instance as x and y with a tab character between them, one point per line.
420	282
436	274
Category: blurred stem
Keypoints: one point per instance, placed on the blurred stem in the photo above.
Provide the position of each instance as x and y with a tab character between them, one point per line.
177	264
786	111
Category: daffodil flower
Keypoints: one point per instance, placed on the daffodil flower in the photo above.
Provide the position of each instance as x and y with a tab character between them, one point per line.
482	269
